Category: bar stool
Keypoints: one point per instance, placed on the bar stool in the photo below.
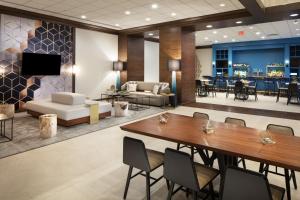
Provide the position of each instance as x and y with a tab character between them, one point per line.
229	88
280	90
137	156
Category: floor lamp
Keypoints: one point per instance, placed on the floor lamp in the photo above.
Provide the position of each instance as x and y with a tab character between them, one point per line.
174	65
118	66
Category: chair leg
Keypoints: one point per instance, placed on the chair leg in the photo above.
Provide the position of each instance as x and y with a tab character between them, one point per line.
192	153
195	195
178	146
267	170
261	168
212	191
278	94
294	179
148	185
170	191
244	163
127	182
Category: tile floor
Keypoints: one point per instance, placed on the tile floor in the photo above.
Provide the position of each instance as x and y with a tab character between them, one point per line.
90	167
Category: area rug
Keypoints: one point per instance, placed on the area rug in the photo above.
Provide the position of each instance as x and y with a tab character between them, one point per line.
27	137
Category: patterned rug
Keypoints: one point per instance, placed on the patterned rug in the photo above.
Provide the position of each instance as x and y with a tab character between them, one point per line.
27	137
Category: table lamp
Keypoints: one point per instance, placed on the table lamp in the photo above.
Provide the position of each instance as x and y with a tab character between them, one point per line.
174	65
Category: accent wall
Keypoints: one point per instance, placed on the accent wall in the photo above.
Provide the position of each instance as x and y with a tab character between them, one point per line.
95	53
204	62
19	35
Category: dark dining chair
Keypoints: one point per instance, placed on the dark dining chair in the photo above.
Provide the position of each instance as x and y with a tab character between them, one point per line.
240	91
180	169
252	90
293	93
241	184
280	90
239	122
137	156
211	87
193	149
201	88
229	87
265	168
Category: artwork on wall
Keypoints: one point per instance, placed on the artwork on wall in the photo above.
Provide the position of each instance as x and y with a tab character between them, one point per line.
198	68
18	35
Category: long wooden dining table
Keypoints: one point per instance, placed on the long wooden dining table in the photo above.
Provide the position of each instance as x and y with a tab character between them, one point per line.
227	139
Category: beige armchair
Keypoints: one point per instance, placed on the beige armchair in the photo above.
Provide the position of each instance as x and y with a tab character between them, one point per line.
7	112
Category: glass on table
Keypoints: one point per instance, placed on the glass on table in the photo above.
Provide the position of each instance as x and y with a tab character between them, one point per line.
266	137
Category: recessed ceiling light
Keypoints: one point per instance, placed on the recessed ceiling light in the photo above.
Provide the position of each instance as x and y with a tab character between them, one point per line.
297	29
206	38
83	17
215	32
127	12
117	24
250	27
257	33
262	37
238	22
209	26
148	19
225	36
233	40
222	4
154	6
150	34
216	41
173	14
295	22
294	15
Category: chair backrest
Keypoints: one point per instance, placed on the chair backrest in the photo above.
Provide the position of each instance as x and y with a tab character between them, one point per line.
179	168
293	89
238	86
280	129
7	109
134	154
236	121
200	115
240	184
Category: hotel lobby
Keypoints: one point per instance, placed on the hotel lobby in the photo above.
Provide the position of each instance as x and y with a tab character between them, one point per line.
170	99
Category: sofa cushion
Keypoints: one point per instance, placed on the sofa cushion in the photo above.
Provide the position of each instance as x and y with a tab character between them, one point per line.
156	88
68	98
145	86
131	87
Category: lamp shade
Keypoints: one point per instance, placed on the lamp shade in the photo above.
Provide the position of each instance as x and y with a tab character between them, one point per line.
174	65
118	66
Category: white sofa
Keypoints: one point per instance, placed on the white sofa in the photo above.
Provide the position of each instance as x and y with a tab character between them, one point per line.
70	108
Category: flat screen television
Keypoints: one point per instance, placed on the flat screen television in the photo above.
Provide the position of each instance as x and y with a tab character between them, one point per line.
35	64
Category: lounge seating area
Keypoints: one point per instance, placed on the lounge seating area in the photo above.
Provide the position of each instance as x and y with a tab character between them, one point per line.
141	100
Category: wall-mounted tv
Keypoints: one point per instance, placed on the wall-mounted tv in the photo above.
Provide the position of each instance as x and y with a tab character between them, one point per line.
35	64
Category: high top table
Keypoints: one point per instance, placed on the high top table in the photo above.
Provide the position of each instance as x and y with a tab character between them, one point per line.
227	139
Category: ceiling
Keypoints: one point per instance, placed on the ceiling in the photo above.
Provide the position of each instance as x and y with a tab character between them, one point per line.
271	30
269	3
109	13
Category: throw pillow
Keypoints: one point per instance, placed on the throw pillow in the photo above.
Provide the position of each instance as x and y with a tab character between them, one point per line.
131	87
155	89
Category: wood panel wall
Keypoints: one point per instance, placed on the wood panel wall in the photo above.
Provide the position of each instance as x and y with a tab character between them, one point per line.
188	56
122	55
135	61
178	43
169	48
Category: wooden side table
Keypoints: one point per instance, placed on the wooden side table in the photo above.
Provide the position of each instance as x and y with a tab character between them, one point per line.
171	96
94	111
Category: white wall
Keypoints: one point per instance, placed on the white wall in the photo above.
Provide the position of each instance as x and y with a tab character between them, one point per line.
95	53
151	61
205	58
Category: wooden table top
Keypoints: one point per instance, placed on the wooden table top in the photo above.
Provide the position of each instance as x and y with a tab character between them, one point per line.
227	138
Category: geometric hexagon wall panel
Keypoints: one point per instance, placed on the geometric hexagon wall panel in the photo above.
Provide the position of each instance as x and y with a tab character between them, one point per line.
19	35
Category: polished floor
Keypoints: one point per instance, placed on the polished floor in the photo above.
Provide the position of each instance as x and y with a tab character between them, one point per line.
264	102
90	167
